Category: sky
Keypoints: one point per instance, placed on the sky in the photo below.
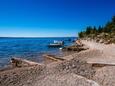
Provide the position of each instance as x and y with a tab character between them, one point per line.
52	18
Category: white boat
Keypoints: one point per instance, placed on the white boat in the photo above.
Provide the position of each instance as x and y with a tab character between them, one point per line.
56	44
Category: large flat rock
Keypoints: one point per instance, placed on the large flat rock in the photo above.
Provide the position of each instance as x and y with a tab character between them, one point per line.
107	55
102	60
69	79
105	76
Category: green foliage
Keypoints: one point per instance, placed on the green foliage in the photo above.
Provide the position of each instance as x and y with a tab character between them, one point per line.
113	19
88	30
100	29
80	34
106	32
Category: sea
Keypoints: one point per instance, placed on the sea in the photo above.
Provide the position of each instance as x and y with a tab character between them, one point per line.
30	48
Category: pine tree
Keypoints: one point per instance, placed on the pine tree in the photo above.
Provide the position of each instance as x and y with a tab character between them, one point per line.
100	29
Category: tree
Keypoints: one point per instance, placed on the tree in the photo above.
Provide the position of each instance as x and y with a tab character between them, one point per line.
107	27
113	19
88	30
113	24
100	29
108	31
81	34
94	30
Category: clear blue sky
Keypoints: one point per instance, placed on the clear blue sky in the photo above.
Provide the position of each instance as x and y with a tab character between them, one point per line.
42	18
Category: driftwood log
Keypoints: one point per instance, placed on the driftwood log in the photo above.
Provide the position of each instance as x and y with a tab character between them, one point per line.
18	62
52	57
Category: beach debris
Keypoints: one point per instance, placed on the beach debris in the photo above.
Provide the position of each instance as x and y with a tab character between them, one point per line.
100	62
53	57
18	62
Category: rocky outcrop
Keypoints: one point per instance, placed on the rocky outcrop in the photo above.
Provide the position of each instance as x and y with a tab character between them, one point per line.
69	79
75	48
105	76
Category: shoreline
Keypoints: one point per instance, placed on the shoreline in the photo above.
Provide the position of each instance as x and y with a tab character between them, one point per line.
65	54
75	65
31	49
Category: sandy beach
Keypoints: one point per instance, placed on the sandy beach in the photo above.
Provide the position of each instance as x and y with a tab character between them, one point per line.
92	67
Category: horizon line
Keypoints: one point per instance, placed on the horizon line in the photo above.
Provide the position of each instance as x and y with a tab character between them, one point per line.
40	37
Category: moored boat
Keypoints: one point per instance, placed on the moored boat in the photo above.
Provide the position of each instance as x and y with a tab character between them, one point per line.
56	44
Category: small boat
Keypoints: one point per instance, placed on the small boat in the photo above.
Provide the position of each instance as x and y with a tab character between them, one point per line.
56	44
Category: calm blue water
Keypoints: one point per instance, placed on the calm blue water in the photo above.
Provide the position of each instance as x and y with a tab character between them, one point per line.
29	48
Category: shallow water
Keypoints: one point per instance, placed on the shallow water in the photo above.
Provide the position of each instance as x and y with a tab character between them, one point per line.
28	48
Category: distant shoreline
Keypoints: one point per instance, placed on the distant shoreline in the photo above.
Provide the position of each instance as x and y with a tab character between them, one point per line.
38	37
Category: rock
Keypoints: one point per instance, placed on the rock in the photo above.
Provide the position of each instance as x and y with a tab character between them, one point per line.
75	48
68	79
105	76
77	67
79	43
101	41
108	42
